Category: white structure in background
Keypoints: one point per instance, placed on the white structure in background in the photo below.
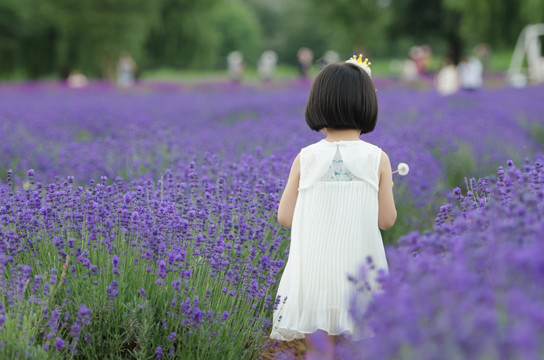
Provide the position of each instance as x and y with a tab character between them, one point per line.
235	61
267	65
528	45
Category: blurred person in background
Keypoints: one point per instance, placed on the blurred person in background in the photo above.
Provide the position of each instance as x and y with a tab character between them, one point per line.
126	70
76	80
235	65
267	65
331	57
422	57
305	57
470	73
483	52
408	70
447	78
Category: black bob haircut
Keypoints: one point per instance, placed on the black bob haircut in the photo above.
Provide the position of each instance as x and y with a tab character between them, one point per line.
342	97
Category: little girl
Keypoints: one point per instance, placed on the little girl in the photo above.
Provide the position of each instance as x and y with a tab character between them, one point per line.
338	195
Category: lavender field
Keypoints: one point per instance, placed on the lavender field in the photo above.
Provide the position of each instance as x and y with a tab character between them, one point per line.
141	224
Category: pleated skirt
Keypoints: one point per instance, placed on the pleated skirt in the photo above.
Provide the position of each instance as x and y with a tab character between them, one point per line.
334	232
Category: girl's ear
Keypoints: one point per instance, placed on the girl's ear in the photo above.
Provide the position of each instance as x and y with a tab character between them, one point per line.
324	131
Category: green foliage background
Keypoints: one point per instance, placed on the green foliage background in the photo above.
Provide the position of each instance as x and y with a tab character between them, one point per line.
55	37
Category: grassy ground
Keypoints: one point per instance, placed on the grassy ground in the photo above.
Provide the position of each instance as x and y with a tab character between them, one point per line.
499	62
166	74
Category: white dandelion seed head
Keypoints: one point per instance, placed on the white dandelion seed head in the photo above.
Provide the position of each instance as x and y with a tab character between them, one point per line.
403	169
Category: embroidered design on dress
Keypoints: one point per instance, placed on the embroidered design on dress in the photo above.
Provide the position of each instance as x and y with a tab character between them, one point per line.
337	170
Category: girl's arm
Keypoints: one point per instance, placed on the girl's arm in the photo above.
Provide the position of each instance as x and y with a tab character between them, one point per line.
290	194
387	212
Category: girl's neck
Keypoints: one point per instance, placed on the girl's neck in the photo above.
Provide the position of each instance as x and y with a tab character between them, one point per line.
334	135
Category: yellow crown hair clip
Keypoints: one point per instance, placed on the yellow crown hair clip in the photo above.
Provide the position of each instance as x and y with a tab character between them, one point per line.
365	65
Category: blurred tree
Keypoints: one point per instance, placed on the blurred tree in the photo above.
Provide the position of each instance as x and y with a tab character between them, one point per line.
363	23
237	28
532	11
44	37
34	35
183	36
452	26
93	33
305	25
10	37
497	23
269	15
63	35
427	21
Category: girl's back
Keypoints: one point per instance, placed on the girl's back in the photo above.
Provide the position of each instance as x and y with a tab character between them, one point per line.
334	230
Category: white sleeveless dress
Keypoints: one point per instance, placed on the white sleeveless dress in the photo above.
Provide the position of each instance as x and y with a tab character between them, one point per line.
334	231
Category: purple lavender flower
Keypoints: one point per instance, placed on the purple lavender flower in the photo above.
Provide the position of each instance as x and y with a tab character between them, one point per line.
461	286
161	271
84	315
2	315
115	264
112	289
75	330
141	292
59	343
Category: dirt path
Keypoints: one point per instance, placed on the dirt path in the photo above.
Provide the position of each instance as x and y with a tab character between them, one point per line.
286	350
